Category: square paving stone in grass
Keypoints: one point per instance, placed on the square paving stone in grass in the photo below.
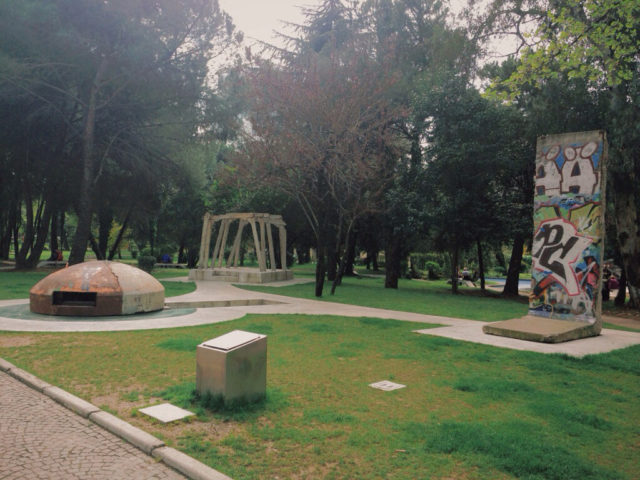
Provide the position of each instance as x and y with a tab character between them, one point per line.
386	385
166	412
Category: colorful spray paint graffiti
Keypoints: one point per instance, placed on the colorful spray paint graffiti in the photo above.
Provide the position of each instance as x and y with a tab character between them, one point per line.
568	237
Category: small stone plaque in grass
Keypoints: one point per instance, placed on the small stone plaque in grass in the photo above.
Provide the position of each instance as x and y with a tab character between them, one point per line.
386	385
166	412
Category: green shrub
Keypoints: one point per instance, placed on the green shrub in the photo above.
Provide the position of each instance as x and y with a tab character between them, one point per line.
434	270
146	262
433	263
500	270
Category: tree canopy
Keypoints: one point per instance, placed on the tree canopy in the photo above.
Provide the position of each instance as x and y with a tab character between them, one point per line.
111	92
368	129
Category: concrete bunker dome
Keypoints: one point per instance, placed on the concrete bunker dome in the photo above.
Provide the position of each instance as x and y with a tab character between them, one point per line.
97	288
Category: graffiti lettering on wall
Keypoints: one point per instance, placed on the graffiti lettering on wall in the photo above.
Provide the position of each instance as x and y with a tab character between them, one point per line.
558	247
568	227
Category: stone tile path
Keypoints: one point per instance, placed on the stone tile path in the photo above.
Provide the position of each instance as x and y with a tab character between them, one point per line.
40	439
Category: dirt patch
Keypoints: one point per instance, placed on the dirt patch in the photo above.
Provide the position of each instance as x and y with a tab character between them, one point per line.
112	401
18	341
630	321
622	316
212	430
172	432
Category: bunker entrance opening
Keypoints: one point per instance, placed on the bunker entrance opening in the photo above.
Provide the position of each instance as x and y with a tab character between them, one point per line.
75	299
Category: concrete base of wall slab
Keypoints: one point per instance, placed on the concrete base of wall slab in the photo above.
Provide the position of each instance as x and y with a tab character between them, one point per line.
540	329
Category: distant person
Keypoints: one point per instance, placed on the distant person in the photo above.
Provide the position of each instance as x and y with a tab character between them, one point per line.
606	292
466	274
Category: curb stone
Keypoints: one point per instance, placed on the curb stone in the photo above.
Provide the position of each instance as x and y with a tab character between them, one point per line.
6	366
152	446
29	379
72	402
141	439
187	465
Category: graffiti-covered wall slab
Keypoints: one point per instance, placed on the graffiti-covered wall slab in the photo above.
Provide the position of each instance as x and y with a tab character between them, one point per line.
568	237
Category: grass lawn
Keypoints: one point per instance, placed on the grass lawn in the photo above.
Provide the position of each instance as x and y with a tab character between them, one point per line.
468	411
419	296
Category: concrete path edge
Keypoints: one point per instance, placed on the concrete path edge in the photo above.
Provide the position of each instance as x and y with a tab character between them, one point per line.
188	466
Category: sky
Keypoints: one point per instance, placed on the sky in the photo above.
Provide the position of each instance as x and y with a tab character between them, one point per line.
259	18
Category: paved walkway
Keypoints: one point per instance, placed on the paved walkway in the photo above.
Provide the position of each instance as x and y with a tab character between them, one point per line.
40	438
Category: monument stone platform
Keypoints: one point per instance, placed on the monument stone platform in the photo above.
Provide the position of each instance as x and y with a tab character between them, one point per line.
240	275
539	329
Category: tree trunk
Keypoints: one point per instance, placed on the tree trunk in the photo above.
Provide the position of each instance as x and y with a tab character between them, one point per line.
374	259
5	245
95	247
513	274
181	255
454	271
105	219
41	236
338	260
393	261
123	228
85	211
152	236
343	262
321	269
627	227
27	239
350	255
481	266
500	259
332	263
16	232
289	253
621	297
53	237
192	257
64	240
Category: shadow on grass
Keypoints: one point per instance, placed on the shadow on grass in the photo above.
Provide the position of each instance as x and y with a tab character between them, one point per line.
494	388
186	396
181	344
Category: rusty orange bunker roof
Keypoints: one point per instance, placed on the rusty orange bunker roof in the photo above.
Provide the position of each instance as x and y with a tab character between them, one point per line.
97	288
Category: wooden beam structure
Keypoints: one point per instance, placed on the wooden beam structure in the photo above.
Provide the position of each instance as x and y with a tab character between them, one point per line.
261	229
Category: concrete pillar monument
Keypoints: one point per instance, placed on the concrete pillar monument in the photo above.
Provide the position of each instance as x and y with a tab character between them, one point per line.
568	241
